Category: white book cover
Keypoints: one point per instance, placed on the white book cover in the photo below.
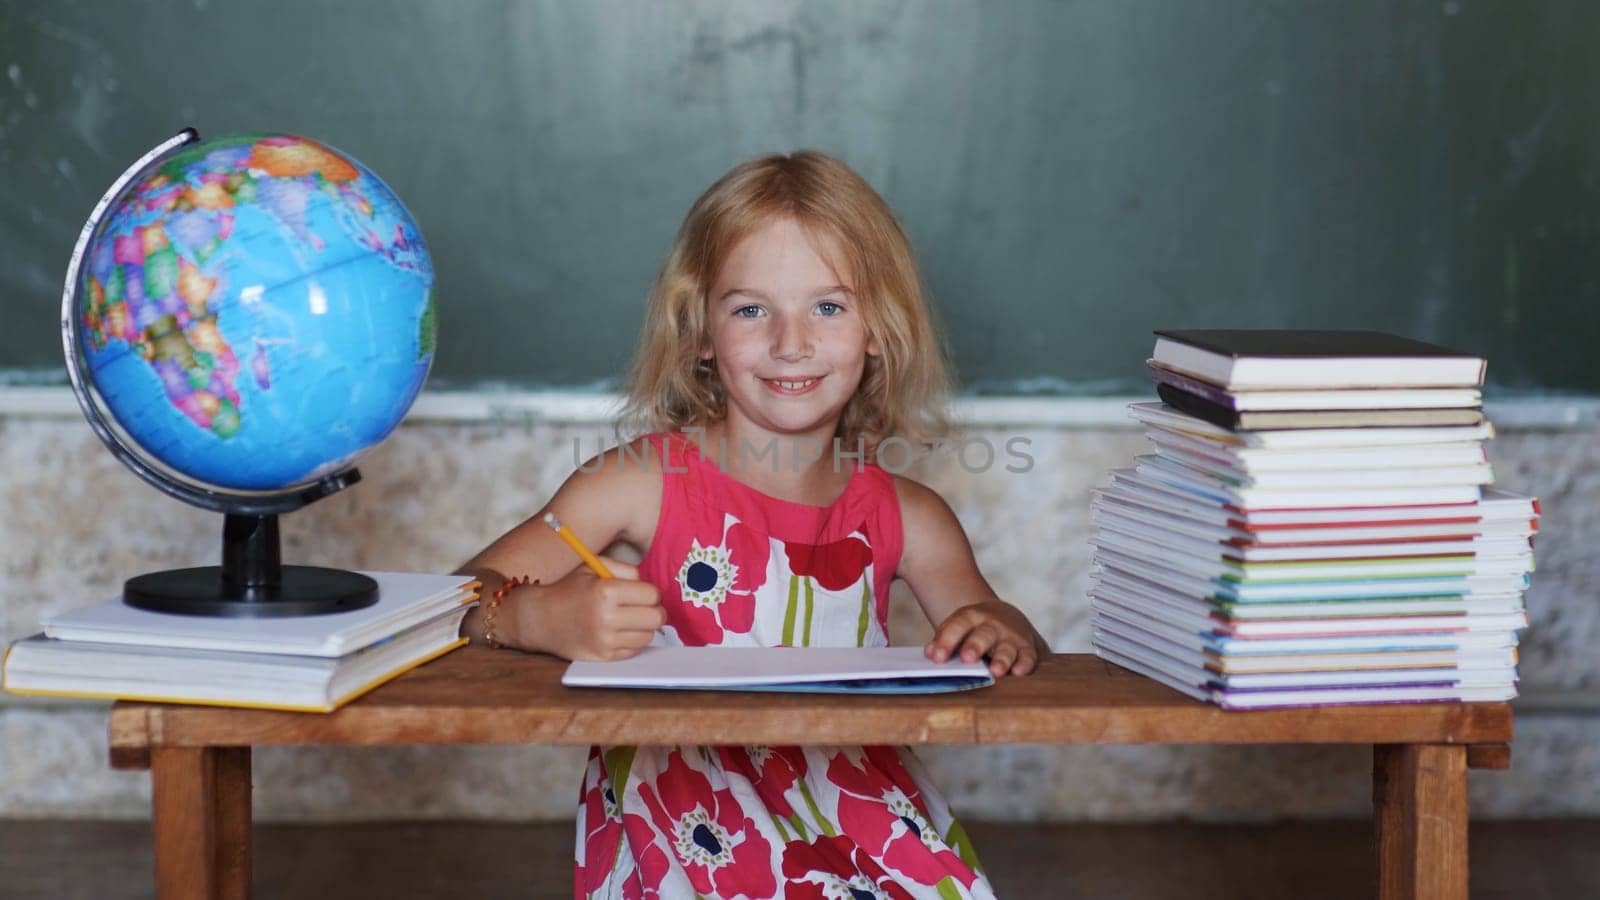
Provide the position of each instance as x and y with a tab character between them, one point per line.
1379	488
1195	668
1310	660
1460	453
807	669
1478	472
1241	545
404	598
1334	544
1177	573
1362	696
1200	620
1160	414
1201	487
1125	590
1207	560
1333	626
1458	522
1279	698
48	667
1493	506
1242	646
1311	696
1499	533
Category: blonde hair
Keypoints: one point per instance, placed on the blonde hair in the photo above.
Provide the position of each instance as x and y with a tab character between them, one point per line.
903	391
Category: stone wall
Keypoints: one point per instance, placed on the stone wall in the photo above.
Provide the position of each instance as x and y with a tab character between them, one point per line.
74	524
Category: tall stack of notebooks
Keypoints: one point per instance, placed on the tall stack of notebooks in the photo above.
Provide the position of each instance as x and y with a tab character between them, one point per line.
1316	526
305	663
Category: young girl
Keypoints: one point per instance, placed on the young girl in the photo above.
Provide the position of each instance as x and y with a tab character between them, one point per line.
787	328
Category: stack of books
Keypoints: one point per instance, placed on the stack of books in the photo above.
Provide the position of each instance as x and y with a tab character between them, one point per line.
1316	526
304	663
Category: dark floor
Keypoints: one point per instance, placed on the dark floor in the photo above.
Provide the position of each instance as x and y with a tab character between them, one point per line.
109	861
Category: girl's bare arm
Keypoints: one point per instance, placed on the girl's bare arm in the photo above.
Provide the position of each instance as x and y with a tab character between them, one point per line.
570	612
970	620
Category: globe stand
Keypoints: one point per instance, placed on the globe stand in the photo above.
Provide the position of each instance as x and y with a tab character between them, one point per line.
251	582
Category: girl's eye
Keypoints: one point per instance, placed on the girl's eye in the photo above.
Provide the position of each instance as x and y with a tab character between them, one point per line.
749	311
829	308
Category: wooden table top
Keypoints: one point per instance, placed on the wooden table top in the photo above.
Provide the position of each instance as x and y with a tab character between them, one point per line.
474	695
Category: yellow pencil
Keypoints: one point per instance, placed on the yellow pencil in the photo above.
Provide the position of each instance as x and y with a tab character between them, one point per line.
577	546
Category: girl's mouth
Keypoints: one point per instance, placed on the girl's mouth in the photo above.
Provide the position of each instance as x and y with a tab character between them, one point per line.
792	387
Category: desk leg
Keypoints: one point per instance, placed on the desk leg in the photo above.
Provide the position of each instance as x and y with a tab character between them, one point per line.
202	822
1419	794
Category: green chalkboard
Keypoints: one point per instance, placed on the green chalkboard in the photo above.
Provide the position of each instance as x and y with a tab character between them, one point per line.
1072	174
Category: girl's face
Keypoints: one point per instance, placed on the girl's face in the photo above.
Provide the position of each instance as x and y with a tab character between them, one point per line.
786	331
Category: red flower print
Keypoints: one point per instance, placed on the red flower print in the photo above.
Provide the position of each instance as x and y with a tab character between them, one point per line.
653	867
772	770
830	867
650	863
603	821
887	760
720	850
749	551
835	565
881	808
717	581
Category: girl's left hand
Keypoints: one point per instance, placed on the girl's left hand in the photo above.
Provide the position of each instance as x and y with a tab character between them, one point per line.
993	628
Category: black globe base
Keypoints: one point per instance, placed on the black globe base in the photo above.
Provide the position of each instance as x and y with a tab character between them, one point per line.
300	591
252	582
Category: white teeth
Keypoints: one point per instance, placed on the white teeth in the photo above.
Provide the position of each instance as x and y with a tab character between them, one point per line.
795	385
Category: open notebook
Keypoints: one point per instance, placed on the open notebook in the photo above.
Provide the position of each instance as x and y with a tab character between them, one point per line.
834	670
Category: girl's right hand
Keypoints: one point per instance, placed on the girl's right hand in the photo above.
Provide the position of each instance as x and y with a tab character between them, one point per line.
583	616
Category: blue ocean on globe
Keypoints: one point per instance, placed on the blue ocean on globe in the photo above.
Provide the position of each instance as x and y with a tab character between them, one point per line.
256	311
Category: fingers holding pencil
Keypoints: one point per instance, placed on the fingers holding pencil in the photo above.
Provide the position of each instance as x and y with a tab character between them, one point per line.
583	616
620	570
614	613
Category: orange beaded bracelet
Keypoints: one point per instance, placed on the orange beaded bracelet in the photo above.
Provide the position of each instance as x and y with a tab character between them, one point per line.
492	608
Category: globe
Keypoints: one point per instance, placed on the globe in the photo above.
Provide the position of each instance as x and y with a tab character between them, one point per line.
256	311
242	318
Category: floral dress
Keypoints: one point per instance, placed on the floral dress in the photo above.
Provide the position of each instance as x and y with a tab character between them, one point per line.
738	568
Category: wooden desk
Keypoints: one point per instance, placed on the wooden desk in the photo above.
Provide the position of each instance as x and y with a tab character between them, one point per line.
199	757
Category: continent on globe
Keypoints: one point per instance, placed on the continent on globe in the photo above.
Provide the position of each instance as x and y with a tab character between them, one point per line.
277	250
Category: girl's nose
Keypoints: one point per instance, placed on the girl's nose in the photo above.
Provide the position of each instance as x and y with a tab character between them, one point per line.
791	341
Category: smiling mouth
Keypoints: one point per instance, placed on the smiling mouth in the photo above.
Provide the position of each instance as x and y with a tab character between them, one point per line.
792	385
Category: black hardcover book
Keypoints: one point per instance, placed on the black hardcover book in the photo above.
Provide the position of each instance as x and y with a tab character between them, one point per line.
1227	417
1268	358
1291	342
